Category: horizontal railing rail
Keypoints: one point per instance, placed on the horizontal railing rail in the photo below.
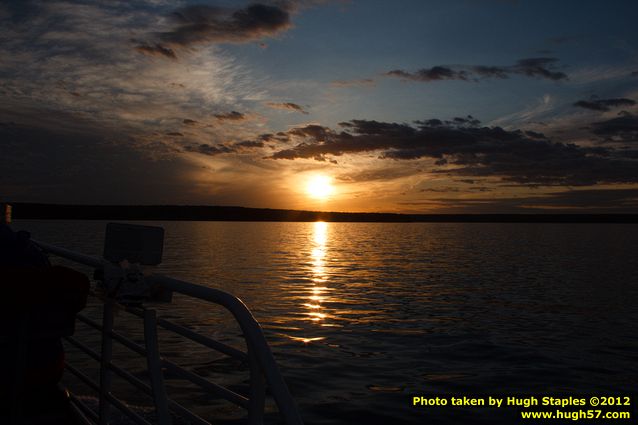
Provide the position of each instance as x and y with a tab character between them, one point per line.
262	366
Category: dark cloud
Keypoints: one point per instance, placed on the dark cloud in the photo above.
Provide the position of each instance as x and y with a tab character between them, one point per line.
534	134
434	122
249	144
207	149
203	23
269	137
288	106
468	150
175	134
446	189
156	50
634	74
604	104
623	128
314	131
538	67
464	121
231	116
457	189
490	71
531	67
188	121
430	74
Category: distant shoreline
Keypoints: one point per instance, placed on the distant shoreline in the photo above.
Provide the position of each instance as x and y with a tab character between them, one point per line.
27	211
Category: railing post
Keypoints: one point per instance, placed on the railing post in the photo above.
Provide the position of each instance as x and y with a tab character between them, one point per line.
155	368
252	334
257	389
105	359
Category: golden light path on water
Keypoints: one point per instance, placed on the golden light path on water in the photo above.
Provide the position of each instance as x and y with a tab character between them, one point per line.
319	277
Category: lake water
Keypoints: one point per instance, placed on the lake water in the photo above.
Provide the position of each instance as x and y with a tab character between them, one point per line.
362	316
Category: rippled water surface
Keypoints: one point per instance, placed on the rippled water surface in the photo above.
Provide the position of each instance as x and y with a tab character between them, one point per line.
362	316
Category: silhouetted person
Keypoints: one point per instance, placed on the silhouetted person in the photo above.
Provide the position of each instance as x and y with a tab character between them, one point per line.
38	304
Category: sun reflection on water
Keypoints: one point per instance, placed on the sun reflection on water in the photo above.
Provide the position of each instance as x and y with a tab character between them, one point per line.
318	253
316	293
318	272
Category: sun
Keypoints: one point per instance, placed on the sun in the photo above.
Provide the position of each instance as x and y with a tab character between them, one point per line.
319	187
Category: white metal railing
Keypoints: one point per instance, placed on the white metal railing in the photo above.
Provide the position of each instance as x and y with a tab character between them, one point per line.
262	367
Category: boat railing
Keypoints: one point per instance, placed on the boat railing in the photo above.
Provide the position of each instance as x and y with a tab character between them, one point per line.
263	370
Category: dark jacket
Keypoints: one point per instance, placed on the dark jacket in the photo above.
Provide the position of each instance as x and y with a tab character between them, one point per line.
38	303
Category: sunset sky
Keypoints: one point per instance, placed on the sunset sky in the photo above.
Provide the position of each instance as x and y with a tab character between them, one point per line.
392	106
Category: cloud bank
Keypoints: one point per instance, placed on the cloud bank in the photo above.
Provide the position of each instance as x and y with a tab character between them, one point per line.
461	147
542	67
604	104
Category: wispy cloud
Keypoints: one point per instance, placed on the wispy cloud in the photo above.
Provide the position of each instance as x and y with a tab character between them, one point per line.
361	82
81	61
600	73
541	108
